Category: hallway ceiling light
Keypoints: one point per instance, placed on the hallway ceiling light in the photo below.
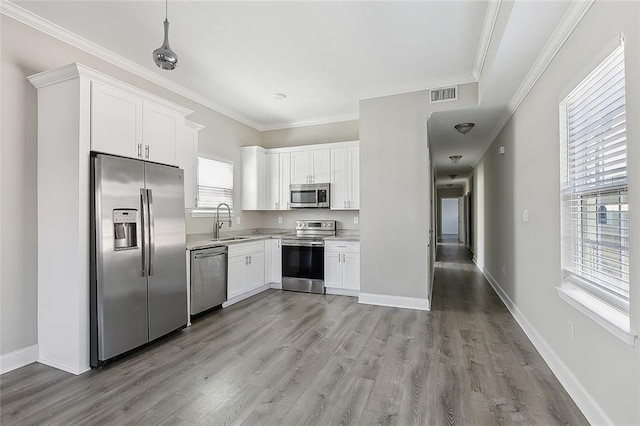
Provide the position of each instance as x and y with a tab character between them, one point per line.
455	158
453	176
464	128
163	56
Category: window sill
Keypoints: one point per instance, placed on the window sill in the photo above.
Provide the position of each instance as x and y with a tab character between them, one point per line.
209	213
611	319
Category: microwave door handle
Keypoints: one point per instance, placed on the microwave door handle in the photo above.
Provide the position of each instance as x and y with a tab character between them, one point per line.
317	197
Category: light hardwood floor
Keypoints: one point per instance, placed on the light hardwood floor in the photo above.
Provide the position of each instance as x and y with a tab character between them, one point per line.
293	359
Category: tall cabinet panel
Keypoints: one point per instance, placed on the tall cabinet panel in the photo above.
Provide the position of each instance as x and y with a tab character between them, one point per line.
345	178
272	182
162	132
285	180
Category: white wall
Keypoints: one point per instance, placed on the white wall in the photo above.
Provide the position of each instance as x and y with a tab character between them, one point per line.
26	51
449	216
601	372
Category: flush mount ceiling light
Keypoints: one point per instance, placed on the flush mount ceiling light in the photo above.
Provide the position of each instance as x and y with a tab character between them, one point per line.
279	96
455	158
464	128
453	176
163	56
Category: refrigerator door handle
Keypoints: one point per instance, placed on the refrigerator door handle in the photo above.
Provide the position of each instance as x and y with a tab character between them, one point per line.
143	223
152	231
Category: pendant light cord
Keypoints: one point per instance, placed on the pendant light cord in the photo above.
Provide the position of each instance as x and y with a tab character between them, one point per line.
166	9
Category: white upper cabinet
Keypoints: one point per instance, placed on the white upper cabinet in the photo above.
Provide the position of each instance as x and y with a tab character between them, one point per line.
116	121
285	180
272	182
267	174
345	178
313	166
126	122
187	160
162	133
254	159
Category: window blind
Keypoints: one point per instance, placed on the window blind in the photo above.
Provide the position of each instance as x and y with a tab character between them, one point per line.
595	210
215	183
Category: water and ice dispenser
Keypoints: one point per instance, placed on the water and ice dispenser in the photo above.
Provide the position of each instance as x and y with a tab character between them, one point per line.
125	229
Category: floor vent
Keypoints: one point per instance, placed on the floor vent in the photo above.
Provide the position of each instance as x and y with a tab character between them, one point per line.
443	94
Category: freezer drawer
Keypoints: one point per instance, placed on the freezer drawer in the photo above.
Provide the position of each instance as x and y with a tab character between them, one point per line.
208	278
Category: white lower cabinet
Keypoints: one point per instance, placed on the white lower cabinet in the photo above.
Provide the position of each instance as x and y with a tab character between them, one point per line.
245	268
342	265
273	261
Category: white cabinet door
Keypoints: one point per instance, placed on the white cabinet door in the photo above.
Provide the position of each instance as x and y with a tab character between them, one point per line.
254	277
116	121
272	182
354	178
351	271
254	164
285	180
300	167
276	261
333	269
321	162
339	178
236	272
162	132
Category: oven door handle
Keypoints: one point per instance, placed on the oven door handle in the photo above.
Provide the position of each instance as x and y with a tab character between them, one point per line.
302	244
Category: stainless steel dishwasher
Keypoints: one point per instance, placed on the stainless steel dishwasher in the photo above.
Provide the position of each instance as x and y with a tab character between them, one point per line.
208	278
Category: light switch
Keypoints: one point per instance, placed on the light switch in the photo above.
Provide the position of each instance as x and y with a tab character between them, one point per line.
237	220
525	216
356	219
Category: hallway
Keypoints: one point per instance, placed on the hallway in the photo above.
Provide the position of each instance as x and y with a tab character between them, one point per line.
489	350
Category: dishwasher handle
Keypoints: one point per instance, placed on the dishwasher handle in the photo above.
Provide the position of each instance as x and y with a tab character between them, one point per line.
211	254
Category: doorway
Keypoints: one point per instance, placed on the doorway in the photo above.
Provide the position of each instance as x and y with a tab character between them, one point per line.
449	219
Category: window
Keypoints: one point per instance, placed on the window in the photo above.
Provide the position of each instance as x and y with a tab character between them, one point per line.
595	218
215	183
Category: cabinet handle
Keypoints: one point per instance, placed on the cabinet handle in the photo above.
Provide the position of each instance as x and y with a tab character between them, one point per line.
139	150
288	206
276	206
345	204
349	204
246	260
249	260
146	152
343	258
339	258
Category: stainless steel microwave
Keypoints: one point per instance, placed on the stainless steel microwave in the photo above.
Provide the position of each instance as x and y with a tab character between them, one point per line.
309	196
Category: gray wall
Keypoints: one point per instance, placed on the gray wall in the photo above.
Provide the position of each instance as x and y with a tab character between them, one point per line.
341	131
26	51
524	258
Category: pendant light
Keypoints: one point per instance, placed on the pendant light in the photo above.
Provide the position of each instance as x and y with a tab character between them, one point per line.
163	56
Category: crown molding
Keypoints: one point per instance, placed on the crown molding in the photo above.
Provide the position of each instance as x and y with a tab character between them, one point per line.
565	28
490	18
20	14
316	122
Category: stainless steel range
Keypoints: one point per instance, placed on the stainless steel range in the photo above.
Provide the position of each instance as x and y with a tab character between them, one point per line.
303	256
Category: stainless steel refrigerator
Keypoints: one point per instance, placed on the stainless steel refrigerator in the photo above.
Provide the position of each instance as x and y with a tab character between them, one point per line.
138	264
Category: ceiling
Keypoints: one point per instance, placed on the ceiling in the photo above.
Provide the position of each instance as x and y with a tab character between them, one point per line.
326	56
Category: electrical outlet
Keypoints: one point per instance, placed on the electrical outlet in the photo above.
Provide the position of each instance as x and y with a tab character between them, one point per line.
570	325
356	219
280	219
525	216
237	220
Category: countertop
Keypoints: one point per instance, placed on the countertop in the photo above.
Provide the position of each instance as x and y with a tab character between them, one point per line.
200	241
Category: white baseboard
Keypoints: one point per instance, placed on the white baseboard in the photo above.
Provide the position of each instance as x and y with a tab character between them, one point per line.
277	286
19	358
63	367
589	407
342	291
246	295
394	301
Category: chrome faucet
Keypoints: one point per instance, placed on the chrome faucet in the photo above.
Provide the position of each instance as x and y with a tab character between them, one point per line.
217	224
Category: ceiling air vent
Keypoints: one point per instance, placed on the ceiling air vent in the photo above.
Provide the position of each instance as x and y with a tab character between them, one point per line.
443	94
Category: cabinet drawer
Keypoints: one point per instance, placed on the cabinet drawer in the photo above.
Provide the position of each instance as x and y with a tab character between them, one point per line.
342	246
242	249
